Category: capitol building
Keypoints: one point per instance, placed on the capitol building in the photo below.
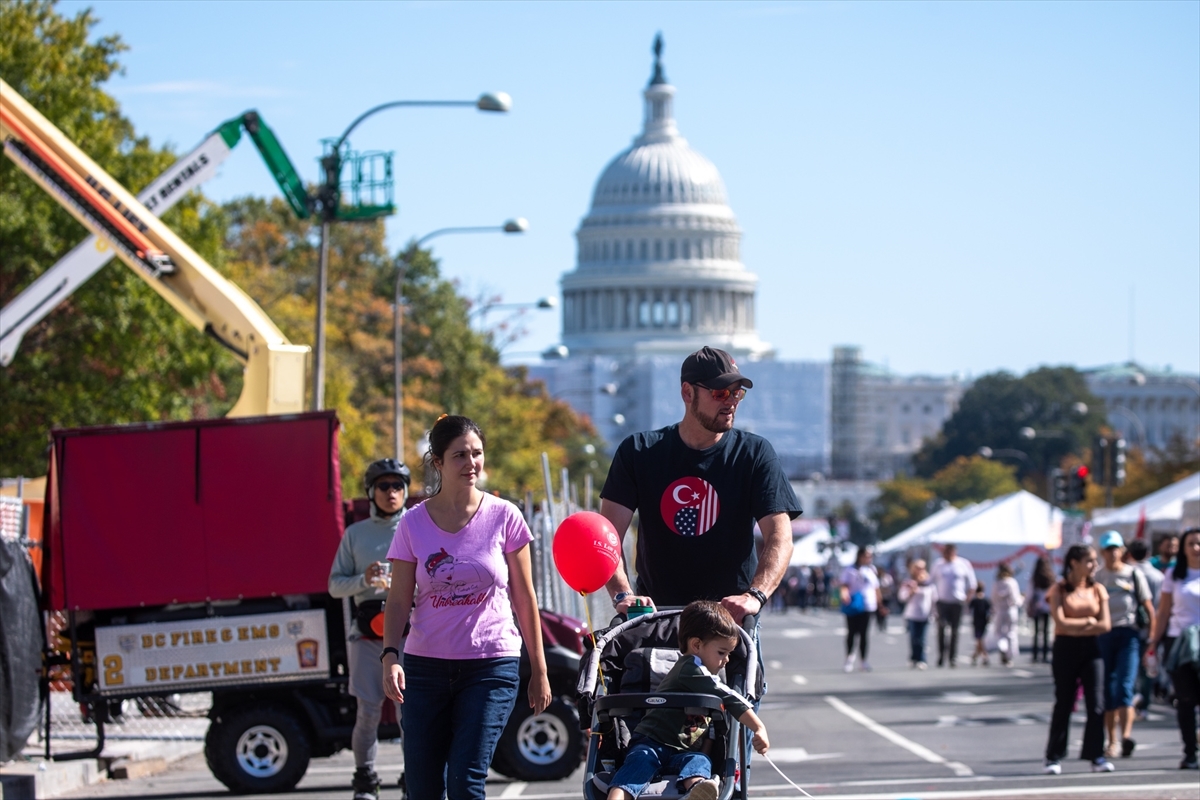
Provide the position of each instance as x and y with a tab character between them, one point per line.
658	275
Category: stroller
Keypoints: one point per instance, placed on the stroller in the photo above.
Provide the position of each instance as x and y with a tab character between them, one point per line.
617	682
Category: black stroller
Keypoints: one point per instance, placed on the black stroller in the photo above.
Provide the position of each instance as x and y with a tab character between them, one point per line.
617	682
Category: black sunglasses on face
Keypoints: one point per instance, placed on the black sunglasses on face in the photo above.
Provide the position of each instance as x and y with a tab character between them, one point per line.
721	395
392	486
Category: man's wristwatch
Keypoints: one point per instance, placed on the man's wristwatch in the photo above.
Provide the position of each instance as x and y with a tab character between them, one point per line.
387	650
758	595
619	598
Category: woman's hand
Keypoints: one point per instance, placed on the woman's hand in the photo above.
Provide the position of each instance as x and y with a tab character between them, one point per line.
393	679
539	693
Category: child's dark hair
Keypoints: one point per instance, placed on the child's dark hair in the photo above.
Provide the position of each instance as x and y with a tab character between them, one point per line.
705	620
444	431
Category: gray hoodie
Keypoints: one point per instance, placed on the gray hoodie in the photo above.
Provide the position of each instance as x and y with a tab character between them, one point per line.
365	542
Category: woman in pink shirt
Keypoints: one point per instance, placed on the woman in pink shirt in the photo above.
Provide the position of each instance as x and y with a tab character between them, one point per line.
461	566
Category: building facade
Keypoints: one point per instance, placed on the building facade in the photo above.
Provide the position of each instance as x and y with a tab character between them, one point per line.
1148	406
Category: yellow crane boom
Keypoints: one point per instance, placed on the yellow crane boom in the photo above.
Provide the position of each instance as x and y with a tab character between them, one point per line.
274	369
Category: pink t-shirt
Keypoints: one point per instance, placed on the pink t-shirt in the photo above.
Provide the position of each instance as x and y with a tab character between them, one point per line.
462	608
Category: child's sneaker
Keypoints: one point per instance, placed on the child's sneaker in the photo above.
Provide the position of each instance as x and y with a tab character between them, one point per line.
1052	768
1103	765
704	790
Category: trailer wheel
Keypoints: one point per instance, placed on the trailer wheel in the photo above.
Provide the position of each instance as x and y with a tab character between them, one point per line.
257	750
546	747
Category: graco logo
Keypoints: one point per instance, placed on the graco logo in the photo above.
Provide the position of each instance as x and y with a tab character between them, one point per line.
656	701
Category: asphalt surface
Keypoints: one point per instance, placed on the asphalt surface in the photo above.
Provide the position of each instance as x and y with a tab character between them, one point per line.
894	732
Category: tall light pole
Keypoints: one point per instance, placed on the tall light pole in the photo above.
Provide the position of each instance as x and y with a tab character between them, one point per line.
518	225
328	200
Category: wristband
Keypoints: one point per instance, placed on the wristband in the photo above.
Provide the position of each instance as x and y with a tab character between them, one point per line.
387	650
758	595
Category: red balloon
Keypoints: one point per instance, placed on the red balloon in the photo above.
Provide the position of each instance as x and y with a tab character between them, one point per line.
586	550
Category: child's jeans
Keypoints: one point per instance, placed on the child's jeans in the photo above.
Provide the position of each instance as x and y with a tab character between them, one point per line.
647	758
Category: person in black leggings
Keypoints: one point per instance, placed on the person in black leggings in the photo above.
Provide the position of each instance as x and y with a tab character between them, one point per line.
860	579
1178	613
1038	609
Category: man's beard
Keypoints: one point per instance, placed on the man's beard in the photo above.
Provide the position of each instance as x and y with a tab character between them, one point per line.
710	423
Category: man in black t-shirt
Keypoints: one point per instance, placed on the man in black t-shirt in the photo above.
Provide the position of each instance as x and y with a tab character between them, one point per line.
699	486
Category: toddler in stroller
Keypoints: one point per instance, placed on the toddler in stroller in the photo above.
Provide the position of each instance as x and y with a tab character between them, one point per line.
690	717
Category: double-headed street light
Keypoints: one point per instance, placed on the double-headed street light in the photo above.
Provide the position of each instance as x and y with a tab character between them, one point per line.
329	199
517	225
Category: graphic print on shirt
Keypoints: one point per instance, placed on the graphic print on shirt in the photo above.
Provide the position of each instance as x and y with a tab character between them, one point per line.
456	581
690	506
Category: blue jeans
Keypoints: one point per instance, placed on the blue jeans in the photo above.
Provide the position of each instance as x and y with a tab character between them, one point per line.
1119	649
647	758
454	713
916	639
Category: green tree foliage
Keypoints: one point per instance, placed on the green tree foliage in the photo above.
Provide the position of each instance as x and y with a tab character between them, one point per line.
998	406
902	503
1149	472
114	352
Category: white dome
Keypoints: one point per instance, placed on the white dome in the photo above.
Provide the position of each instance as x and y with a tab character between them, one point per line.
658	265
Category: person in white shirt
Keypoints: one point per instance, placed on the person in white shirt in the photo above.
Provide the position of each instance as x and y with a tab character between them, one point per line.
860	597
1006	601
955	580
918	594
1178	615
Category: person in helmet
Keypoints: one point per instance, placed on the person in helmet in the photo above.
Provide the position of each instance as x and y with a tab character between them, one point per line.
360	572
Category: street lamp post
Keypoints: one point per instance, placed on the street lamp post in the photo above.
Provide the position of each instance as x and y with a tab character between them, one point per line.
518	225
328	200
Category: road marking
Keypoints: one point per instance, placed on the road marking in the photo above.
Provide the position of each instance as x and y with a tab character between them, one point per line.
1039	791
917	750
967	698
798	755
797	633
775	664
1022	673
514	789
800	679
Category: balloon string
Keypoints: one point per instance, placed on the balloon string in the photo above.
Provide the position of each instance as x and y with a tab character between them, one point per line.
785	777
587	612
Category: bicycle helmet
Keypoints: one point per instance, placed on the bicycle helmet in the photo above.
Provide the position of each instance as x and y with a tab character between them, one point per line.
386	466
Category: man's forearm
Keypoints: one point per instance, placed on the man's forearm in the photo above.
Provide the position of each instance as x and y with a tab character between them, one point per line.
776	553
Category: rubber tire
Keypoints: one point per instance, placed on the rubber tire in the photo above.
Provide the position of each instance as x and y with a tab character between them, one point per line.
221	745
555	732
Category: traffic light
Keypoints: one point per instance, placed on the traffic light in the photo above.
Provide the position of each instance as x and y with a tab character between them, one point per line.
1058	487
1077	484
1100	458
1117	476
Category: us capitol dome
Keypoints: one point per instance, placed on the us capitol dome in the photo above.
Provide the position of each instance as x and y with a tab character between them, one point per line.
658	264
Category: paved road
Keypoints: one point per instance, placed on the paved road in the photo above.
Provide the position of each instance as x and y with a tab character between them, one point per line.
891	733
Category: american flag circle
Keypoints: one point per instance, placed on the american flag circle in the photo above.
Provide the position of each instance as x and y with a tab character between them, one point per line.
690	506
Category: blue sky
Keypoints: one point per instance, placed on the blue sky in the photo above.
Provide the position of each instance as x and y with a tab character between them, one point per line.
955	187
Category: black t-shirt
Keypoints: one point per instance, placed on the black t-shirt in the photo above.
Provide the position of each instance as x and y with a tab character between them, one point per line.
697	510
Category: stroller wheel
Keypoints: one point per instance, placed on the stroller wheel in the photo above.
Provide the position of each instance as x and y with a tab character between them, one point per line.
546	747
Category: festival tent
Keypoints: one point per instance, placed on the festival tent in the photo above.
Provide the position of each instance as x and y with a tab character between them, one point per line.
918	534
812	550
1164	510
1015	528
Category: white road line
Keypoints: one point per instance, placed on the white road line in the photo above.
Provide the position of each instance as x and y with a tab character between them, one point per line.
800	679
971	793
919	751
514	789
1022	673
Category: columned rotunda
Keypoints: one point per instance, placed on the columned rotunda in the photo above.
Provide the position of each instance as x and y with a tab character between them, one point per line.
658	264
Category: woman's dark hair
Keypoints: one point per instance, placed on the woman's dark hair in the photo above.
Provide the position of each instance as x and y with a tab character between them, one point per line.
1004	570
444	432
1043	573
705	620
1181	564
861	556
1076	552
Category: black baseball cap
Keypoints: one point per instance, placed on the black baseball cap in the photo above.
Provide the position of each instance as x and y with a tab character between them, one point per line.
713	368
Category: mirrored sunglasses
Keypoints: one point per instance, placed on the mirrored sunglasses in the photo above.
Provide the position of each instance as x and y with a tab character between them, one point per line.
390	486
721	395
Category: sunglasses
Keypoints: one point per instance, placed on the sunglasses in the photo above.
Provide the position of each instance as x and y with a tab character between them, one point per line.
390	486
721	395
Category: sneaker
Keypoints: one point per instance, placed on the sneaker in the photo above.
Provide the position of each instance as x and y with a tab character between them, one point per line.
849	665
704	790
1052	768
365	784
866	666
1103	765
1189	762
1127	747
922	665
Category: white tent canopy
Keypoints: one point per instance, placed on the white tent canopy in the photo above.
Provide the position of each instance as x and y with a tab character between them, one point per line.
812	550
918	534
1017	519
1164	507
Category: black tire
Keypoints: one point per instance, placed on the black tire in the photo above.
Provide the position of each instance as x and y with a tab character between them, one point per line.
257	750
548	747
